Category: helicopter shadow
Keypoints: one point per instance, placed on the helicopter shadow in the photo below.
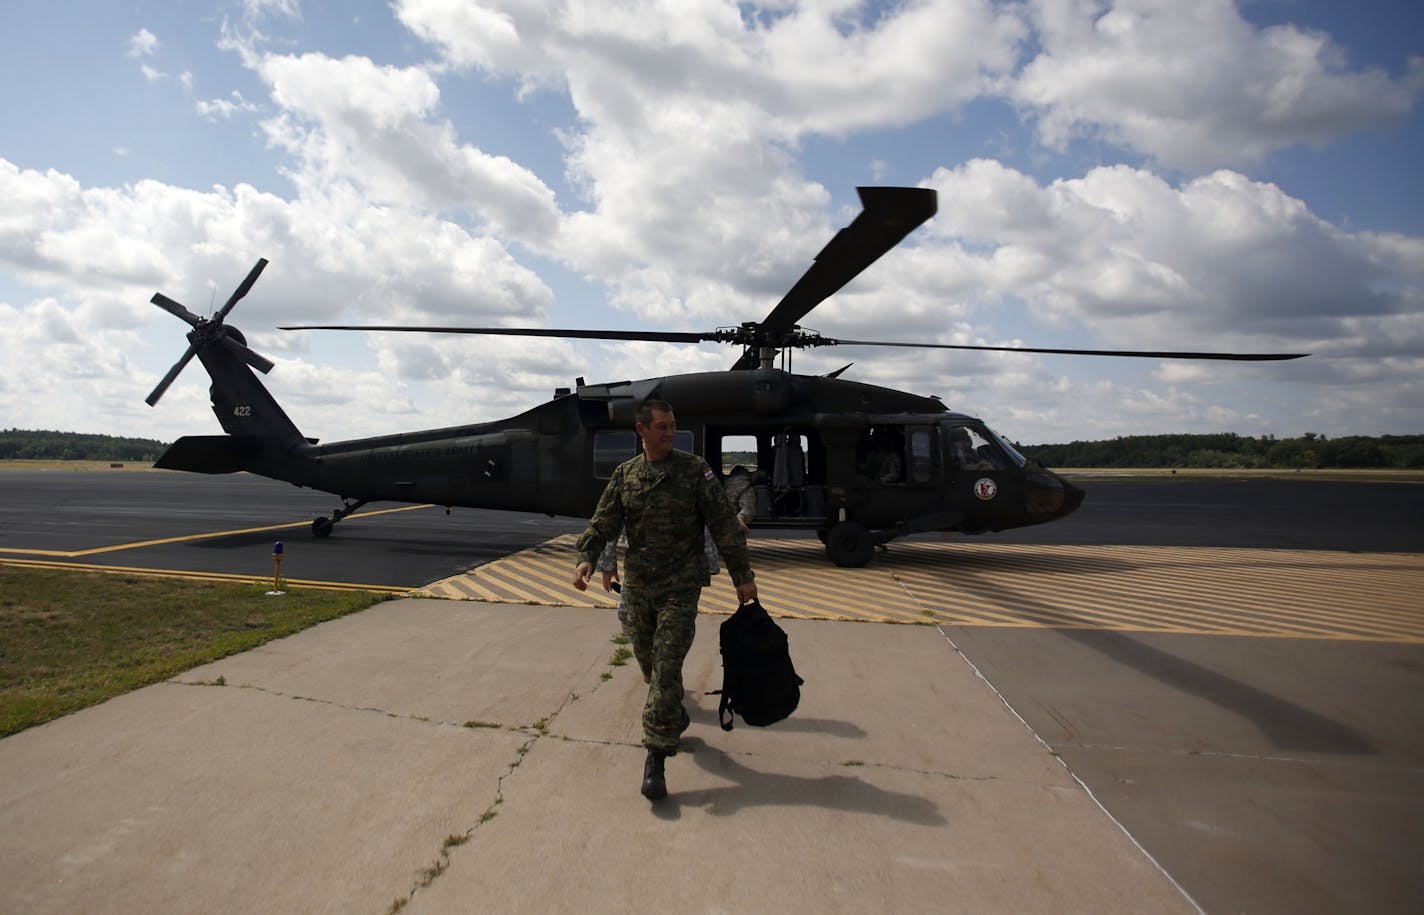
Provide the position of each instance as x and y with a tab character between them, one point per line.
751	788
1286	725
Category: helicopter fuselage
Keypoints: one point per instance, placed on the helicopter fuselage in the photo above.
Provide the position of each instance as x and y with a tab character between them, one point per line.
860	464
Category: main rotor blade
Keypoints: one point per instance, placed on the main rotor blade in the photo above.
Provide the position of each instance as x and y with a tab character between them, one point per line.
243	289
1149	354
175	309
152	399
889	214
651	335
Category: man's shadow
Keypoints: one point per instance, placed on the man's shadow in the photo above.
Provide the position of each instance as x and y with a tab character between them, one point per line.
800	724
761	789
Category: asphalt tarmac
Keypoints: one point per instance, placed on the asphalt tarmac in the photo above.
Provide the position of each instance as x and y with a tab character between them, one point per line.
1263	774
228	524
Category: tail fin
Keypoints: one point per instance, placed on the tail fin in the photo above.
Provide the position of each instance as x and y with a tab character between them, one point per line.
262	438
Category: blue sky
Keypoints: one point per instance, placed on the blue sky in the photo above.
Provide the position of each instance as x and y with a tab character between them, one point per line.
1150	175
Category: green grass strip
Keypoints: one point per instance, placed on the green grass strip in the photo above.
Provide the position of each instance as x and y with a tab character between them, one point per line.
69	640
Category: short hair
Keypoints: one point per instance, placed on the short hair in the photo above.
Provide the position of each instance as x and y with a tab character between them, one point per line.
648	407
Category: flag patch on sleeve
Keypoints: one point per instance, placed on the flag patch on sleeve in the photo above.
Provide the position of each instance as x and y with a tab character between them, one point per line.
707	474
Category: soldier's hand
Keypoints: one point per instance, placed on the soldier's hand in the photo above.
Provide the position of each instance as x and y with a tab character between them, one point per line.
747	593
608	579
582	573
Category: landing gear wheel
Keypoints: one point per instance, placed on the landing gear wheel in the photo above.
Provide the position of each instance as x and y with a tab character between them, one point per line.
321	527
849	544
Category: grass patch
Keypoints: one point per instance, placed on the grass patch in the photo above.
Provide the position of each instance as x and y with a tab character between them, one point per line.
69	640
620	657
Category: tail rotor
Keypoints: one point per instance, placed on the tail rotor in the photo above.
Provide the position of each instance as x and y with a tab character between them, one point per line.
210	331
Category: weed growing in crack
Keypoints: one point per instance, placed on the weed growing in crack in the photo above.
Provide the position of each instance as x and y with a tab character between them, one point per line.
428	875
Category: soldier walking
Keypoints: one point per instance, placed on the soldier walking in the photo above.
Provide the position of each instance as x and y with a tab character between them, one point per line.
663	499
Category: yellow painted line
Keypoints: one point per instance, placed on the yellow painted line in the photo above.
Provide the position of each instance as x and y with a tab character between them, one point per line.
1183	590
186	538
214	577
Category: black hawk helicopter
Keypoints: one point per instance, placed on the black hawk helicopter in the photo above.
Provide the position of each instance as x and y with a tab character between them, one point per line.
859	464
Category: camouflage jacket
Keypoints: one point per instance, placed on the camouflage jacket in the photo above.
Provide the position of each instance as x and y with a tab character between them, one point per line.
741	497
663	508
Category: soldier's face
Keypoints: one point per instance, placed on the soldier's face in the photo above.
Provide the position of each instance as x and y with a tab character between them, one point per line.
658	436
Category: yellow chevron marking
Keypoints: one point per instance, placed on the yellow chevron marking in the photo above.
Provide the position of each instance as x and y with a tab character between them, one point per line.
1194	590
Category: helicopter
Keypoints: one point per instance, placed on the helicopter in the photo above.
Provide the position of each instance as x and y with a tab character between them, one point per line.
859	464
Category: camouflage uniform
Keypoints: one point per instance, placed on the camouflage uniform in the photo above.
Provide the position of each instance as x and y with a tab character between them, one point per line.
608	562
663	509
741	496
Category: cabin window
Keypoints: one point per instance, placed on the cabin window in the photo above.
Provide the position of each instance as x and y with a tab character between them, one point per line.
739	450
880	454
921	457
611	449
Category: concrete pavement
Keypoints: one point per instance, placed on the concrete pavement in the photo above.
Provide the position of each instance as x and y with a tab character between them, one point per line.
445	756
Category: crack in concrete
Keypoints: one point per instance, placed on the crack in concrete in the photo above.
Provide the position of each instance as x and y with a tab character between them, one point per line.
535	732
221	683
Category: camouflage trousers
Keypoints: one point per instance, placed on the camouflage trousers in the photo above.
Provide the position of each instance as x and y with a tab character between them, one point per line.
661	627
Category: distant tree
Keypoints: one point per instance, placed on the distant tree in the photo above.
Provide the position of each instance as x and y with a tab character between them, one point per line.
21	444
1351	452
1229	450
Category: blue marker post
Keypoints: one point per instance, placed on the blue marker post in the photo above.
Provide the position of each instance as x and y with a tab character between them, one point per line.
276	571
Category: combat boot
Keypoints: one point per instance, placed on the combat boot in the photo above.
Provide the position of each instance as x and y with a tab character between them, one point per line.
654	783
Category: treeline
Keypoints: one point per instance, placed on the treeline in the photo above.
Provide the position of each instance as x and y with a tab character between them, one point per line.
1228	450
43	445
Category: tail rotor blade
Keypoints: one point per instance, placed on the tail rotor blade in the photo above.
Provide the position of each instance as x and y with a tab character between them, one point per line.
174	308
257	361
243	289
178	366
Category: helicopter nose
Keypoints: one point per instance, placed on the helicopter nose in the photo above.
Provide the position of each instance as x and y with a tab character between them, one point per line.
1048	496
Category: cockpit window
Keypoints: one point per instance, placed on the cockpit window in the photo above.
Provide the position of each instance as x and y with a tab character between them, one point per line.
1013	452
971	448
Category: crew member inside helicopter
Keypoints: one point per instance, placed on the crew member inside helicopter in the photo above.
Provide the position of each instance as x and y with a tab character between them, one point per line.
963	453
882	455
